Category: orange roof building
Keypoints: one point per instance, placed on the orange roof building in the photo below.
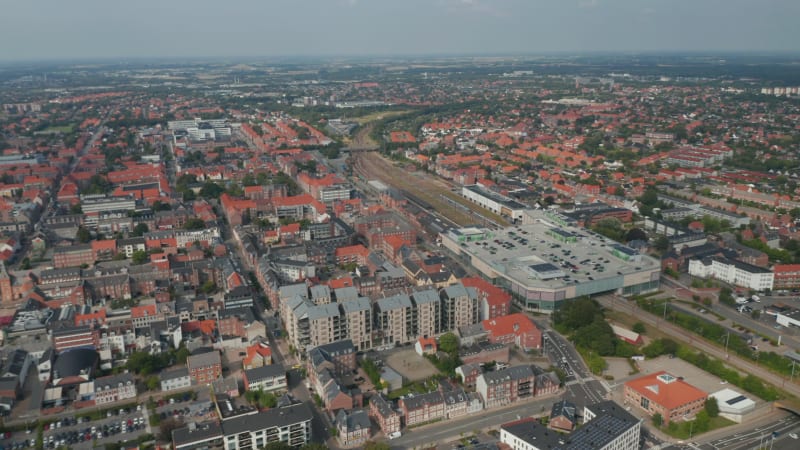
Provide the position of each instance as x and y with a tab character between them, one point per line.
665	394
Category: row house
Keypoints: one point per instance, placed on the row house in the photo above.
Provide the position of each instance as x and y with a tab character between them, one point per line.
114	388
382	410
418	409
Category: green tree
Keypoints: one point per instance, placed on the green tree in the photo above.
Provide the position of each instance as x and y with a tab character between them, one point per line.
83	235
658	420
211	190
139	257
194	223
448	343
140	229
165	428
208	287
76	209
25	264
711	407
639	327
152	383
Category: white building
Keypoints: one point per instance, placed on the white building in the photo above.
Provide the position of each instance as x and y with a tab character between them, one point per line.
175	379
494	202
733	405
733	272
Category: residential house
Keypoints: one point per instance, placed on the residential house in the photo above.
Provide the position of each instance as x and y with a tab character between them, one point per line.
265	378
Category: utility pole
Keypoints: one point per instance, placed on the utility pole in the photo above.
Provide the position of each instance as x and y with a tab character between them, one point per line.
727	338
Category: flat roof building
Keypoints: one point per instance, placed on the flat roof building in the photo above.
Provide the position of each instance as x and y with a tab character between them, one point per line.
543	263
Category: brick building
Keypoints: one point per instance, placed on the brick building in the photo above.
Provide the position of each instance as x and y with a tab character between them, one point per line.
204	367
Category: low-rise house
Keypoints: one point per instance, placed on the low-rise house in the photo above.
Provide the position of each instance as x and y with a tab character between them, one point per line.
563	416
266	378
172	380
353	428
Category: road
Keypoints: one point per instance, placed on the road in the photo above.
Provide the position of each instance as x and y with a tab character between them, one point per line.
429	435
625	306
764	325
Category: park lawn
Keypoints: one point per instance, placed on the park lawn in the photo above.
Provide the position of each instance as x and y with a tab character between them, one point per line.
684	430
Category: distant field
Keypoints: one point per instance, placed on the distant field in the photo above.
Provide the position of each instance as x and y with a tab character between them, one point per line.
55	130
378	115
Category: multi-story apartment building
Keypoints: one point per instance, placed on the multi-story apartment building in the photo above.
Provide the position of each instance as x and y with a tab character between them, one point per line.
459	307
786	276
204	367
426	314
392	320
73	256
358	322
290	424
114	388
512	384
732	271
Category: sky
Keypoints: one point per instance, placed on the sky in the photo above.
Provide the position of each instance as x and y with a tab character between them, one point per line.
89	29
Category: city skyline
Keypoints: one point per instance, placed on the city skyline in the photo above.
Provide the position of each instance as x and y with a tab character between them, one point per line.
201	29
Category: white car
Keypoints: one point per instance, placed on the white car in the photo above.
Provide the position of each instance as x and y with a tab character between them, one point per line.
394	435
793	435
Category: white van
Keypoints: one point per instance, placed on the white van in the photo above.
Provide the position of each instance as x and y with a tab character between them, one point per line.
394	435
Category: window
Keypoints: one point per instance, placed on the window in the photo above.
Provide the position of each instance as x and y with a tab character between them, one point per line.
645	403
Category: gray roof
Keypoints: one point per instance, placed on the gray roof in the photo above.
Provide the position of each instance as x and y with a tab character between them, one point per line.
204	431
511	373
426	296
394	302
271	418
323	311
268	371
113	381
173	374
383	405
293	289
346	294
352	421
420	400
72	362
320	291
359	304
456	290
204	359
565	409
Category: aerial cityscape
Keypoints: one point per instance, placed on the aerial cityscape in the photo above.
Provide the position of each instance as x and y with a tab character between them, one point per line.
223	230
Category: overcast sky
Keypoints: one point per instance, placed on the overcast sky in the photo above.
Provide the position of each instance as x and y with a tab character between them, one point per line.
66	29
